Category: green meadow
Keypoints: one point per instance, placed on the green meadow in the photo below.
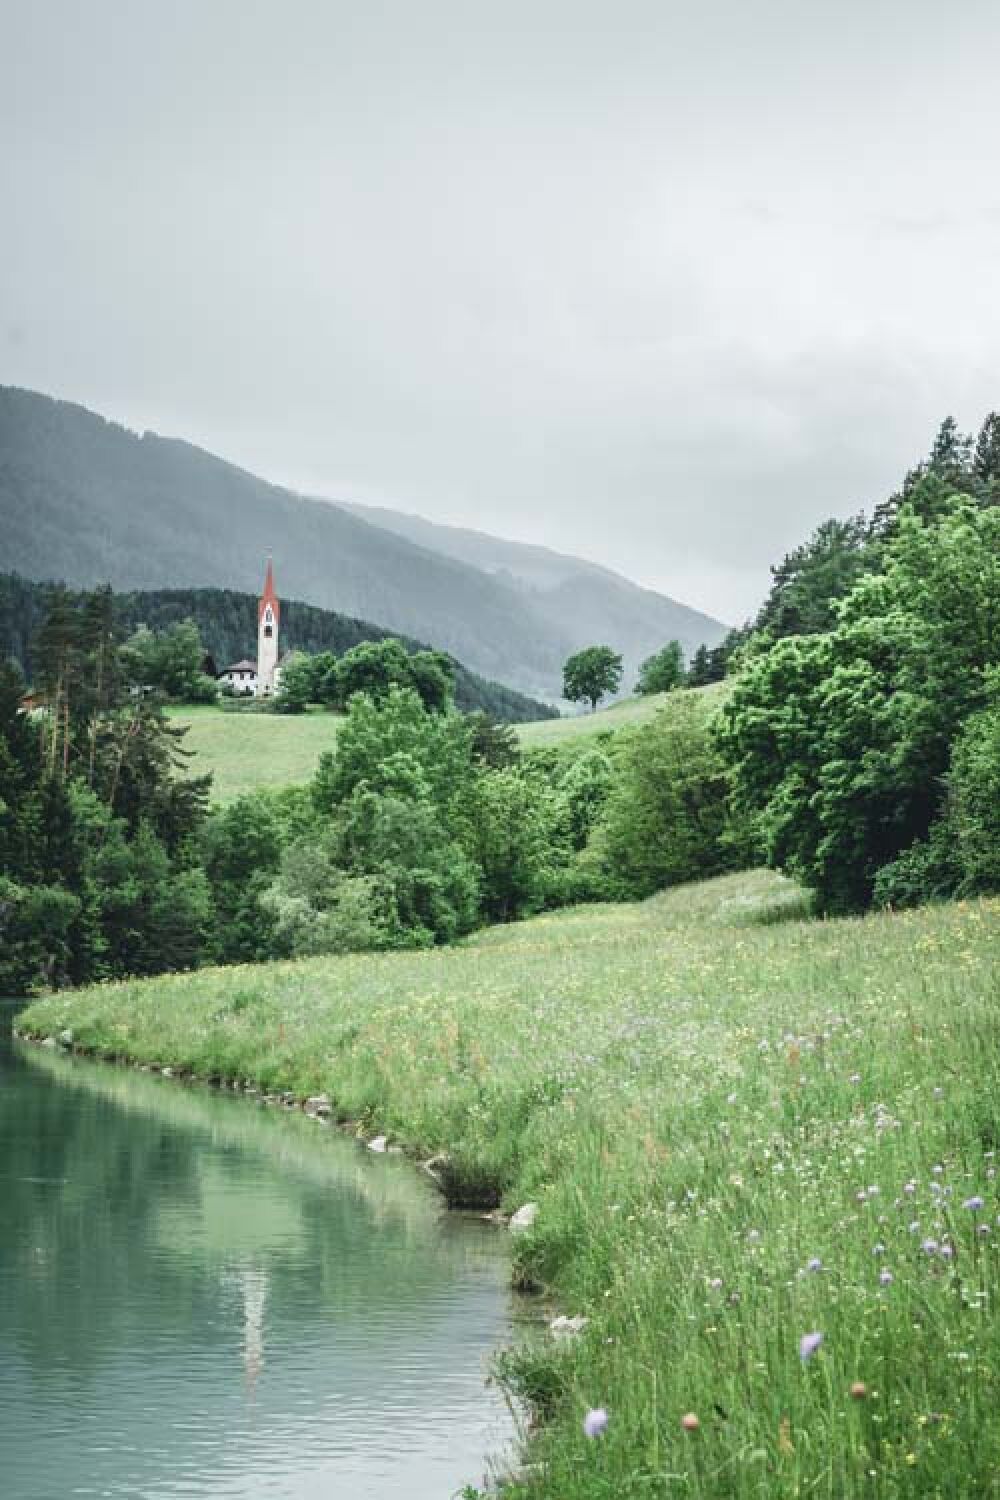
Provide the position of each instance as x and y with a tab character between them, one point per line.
573	728
743	1128
246	750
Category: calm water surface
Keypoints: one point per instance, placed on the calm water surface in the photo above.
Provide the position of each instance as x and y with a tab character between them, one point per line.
199	1296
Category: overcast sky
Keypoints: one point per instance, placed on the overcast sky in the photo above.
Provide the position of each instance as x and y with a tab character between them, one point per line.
661	284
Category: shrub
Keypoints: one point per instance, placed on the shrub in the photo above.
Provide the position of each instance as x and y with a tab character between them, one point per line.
974	786
666	815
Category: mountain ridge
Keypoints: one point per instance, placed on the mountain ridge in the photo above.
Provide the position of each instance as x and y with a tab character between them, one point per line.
84	498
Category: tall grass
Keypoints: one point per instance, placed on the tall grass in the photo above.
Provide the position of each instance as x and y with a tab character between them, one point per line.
740	1126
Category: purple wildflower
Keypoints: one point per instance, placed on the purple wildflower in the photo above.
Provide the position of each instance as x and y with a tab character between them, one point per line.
808	1344
595	1422
929	1247
886	1278
975	1203
814	1264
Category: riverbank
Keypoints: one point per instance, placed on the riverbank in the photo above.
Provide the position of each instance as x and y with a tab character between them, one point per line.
740	1128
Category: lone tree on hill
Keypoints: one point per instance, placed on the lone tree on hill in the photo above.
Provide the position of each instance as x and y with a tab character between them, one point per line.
591	673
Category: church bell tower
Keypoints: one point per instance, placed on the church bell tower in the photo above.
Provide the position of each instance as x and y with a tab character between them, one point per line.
268	618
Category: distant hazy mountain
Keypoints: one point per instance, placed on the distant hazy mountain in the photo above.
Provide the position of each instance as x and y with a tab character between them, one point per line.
589	602
86	500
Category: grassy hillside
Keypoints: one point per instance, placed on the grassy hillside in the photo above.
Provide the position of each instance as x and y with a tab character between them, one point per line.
580	727
247	751
88	501
742	1129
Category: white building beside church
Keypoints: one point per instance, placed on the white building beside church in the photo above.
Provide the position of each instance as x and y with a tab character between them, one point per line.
262	678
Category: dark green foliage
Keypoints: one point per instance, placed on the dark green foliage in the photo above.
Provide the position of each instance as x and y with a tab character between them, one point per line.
300	683
240	849
590	674
493	744
384	866
585	785
514	832
956	465
227	624
374	667
96	823
810	580
714	665
36	923
973	813
841	742
666	816
664	671
927	871
171	661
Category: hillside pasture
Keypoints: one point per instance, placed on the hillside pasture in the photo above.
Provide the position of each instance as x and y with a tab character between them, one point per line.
246	751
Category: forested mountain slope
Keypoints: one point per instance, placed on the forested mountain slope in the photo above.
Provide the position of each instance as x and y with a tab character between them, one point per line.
227	621
87	501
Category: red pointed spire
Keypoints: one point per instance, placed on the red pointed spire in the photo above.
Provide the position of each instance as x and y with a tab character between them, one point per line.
269	596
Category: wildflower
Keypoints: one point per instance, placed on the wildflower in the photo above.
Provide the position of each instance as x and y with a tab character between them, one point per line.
854	1078
595	1422
947	1251
974	1203
753	1236
914	1227
815	1264
690	1422
716	1284
859	1390
929	1247
937	1169
878	1249
808	1344
886	1278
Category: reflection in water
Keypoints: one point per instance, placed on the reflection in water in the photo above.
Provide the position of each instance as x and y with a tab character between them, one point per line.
200	1297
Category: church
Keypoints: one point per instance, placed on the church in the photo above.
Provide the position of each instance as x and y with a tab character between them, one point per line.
262	678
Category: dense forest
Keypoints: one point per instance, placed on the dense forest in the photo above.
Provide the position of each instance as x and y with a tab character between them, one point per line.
856	747
227	624
86	500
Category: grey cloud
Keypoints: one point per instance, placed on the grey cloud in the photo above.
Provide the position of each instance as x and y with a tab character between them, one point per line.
657	283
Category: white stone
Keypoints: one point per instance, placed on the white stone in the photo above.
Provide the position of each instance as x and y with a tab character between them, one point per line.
524	1218
564	1327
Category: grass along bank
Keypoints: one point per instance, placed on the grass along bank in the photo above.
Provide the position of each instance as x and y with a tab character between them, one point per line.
741	1128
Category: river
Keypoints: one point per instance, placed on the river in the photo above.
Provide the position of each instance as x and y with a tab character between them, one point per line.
201	1297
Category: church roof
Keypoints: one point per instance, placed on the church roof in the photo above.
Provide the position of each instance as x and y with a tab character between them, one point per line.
241	666
269	597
